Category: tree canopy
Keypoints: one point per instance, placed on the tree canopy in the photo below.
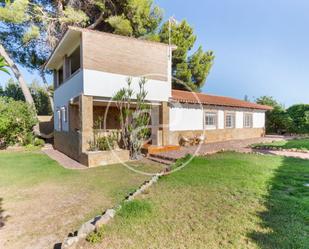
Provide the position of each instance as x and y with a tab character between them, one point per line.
294	119
300	118
30	29
39	95
190	70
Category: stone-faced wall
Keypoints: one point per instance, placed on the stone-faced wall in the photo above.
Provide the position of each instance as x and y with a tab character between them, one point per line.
86	121
68	143
101	158
112	117
164	121
73	115
218	135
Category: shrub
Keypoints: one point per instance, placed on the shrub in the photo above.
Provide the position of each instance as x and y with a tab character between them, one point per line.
96	236
39	142
16	122
106	143
103	143
300	118
39	95
28	139
278	121
295	119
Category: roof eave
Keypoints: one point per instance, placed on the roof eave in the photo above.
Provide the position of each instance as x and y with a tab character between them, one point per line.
60	43
266	108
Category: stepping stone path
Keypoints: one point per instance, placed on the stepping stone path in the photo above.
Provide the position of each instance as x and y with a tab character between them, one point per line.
61	158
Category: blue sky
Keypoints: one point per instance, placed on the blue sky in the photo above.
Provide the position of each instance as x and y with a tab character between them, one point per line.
261	46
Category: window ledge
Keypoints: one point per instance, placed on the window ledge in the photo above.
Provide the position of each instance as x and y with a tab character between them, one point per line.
70	77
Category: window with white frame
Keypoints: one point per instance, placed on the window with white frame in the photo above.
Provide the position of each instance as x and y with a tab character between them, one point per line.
210	120
248	120
230	120
64	114
59	120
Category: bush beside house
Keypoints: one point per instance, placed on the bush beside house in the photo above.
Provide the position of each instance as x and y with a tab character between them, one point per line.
39	95
17	120
299	115
294	120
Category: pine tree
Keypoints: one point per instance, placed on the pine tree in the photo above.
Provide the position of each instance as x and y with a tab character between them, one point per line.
190	72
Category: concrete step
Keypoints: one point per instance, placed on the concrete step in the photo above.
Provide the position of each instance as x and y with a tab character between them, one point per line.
160	160
163	157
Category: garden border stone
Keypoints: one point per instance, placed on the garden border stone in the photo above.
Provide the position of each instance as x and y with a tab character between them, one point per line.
94	224
265	147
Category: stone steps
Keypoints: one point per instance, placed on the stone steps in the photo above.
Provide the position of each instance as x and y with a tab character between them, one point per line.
161	159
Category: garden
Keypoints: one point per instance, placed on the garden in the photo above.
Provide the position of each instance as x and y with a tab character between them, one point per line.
227	200
42	202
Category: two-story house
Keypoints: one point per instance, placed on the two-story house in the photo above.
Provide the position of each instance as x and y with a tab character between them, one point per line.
91	66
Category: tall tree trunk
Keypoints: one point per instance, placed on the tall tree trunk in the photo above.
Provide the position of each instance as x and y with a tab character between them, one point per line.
42	73
22	83
18	76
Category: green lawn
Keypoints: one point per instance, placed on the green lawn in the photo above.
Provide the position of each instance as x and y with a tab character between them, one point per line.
45	202
227	200
302	144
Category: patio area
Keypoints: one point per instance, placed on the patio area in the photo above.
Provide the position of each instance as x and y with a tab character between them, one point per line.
211	148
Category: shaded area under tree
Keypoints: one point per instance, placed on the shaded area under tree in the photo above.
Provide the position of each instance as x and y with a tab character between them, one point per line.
286	220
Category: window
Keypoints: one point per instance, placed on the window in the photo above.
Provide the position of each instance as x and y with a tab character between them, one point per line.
60	76
230	120
64	114
59	120
248	120
210	120
74	61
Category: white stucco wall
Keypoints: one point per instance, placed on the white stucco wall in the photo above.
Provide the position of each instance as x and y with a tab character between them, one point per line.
71	88
185	118
258	119
102	84
239	120
220	119
191	118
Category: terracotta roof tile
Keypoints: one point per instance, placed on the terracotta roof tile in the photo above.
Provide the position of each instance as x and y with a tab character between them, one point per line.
189	97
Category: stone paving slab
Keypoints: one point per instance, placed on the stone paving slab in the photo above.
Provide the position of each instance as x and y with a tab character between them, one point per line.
212	148
301	155
62	159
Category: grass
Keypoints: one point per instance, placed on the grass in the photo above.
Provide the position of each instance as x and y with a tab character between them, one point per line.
225	201
135	209
42	202
301	144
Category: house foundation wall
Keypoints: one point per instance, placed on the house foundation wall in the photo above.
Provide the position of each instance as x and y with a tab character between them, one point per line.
217	135
101	158
67	143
